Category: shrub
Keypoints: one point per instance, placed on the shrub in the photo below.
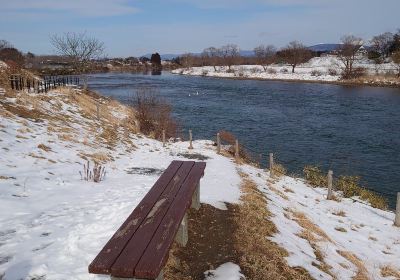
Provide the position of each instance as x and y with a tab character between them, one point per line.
332	72
153	113
255	70
278	170
240	72
350	187
314	176
230	70
284	70
316	73
227	137
204	72
357	72
272	71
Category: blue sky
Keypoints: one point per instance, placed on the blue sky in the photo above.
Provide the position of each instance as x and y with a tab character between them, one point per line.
136	27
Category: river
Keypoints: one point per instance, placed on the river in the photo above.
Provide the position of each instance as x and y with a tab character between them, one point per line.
351	130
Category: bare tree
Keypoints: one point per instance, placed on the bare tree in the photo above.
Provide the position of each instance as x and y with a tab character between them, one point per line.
396	60
382	43
230	54
5	45
265	55
295	53
80	48
187	60
211	56
348	54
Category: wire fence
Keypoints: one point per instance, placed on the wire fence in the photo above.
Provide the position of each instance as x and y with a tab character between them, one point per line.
263	160
19	82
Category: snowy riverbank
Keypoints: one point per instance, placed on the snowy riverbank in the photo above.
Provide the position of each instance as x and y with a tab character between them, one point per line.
53	223
319	69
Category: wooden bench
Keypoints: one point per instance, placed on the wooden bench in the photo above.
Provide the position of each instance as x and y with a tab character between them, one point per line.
139	249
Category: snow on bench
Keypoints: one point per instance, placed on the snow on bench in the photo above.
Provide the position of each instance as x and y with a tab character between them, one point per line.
139	249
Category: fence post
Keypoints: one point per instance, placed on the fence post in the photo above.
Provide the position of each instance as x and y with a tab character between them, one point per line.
397	218
218	143
190	139
271	165
237	149
330	180
163	137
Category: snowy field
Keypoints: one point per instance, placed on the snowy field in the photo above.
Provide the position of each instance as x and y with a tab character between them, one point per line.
327	68
53	223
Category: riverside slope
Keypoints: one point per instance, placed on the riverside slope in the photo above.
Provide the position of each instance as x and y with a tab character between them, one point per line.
49	215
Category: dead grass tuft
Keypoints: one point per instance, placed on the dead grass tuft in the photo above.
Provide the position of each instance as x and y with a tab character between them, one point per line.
110	136
278	170
44	147
260	258
278	192
341	229
340	213
389	271
36	156
307	224
313	234
362	272
98	158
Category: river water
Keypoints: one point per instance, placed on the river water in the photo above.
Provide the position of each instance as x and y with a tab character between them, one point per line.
351	130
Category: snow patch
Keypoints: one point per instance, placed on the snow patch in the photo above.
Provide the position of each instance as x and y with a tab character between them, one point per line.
226	271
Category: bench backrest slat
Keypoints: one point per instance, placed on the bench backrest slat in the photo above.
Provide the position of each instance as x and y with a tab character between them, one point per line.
105	259
156	253
125	264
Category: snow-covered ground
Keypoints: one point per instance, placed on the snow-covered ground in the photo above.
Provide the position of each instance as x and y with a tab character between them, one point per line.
344	226
326	68
52	223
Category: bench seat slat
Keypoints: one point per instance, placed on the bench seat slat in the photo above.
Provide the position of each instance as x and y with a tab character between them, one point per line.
156	254
126	262
108	255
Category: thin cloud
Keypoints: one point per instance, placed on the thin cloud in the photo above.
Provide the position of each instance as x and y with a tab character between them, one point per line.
96	8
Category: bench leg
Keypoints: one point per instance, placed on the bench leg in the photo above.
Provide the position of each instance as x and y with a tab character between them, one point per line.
182	235
196	198
160	277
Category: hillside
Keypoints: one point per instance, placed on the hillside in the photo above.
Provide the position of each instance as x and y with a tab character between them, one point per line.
53	222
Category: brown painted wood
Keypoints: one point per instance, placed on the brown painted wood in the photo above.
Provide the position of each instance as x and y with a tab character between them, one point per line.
156	254
108	255
125	264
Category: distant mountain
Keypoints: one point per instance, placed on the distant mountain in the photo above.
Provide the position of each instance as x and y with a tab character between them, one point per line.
324	47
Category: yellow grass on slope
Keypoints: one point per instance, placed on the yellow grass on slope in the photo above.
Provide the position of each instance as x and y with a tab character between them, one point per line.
260	258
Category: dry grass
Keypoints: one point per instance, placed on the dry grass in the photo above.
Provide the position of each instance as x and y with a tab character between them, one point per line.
36	156
314	176
313	234
341	229
362	272
340	213
278	192
98	158
389	271
110	136
44	147
307	224
260	258
278	170
348	185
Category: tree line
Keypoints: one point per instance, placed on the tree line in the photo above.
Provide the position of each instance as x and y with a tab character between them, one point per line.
382	48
